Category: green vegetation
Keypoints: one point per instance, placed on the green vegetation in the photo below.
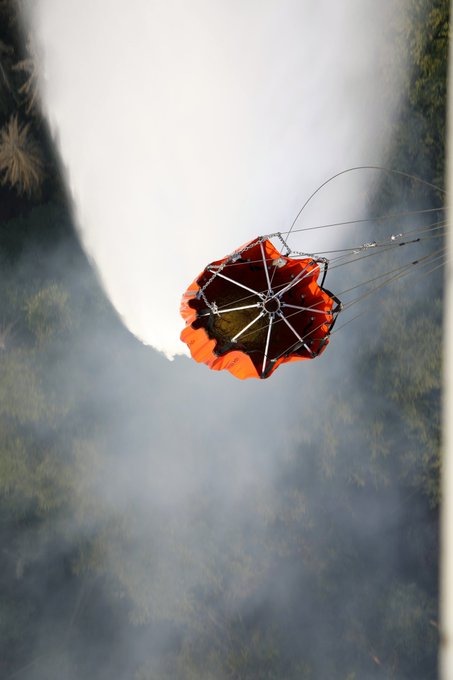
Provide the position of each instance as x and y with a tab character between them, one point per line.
311	586
20	161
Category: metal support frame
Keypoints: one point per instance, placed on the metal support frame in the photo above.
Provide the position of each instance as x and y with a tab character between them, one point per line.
268	295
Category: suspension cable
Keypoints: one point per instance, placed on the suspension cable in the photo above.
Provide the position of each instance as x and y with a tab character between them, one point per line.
360	167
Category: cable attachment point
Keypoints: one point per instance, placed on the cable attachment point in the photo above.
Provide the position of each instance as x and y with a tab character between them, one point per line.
285	245
364	246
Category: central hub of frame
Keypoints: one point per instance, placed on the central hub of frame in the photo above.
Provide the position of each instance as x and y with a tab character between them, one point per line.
272	305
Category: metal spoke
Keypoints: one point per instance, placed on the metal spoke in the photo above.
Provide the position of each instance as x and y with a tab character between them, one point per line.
265	268
307	309
304	273
269	328
291	327
249	325
237	283
231	309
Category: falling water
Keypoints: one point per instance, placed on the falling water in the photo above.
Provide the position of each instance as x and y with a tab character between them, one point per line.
186	129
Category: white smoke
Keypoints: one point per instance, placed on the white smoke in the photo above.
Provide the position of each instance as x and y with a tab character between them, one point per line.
189	128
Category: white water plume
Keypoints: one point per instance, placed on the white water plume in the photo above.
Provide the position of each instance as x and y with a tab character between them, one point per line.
188	128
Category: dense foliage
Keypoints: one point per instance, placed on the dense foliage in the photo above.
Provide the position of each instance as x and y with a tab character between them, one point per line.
84	568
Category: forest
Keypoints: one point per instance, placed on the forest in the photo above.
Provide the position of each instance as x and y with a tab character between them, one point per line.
326	569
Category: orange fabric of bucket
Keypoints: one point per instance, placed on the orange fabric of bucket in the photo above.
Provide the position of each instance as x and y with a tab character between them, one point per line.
253	311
